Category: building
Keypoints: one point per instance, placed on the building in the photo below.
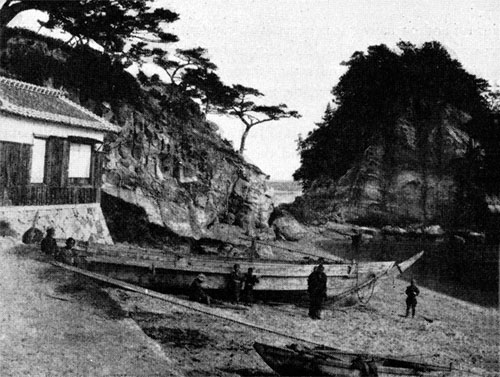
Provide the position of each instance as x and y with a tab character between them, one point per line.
50	162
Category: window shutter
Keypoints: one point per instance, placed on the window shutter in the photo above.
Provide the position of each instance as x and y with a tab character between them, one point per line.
56	162
97	162
15	159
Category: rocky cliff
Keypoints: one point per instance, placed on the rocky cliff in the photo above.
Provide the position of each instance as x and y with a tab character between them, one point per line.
183	177
415	184
168	173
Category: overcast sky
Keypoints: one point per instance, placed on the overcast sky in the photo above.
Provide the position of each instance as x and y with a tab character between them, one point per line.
291	51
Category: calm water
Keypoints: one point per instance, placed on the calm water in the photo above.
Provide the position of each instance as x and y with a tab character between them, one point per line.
467	272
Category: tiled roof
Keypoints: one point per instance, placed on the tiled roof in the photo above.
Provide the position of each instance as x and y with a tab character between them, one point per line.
38	102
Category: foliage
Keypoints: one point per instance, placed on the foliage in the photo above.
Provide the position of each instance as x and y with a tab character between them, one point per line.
95	74
239	101
192	72
110	23
379	87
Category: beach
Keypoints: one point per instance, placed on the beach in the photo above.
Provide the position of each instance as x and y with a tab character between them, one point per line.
57	323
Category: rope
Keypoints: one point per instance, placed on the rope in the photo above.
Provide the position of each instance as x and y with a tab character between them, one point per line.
362	300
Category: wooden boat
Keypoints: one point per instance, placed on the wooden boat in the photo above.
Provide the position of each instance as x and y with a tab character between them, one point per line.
171	271
301	361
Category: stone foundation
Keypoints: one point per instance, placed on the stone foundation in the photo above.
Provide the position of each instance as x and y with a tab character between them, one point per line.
81	221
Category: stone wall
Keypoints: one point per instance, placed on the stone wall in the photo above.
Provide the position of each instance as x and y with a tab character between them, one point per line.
80	221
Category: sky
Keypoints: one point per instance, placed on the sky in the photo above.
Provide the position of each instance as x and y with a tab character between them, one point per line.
291	51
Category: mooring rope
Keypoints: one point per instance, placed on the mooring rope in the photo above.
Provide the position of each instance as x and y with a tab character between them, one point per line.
358	291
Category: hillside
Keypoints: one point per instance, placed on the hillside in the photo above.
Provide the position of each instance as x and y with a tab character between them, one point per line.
409	138
168	174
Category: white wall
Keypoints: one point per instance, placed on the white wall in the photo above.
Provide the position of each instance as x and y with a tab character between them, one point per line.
21	130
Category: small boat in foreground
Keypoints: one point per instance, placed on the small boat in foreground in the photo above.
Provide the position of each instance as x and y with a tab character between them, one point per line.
301	361
170	271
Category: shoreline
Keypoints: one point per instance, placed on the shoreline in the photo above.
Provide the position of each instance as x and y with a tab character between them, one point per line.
192	344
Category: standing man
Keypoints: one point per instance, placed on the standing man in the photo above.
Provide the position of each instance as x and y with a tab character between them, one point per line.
317	291
250	281
235	283
49	244
412	292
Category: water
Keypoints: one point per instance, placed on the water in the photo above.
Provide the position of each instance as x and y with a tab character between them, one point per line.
467	272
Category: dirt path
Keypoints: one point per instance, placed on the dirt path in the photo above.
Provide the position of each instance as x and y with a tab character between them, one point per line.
53	323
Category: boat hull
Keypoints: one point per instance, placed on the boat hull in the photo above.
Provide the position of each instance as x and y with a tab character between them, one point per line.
272	277
310	362
175	272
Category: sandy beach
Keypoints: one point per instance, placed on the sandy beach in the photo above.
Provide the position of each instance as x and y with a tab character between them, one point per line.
57	323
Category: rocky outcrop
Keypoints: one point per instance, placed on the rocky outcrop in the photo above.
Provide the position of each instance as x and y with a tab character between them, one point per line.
416	184
185	180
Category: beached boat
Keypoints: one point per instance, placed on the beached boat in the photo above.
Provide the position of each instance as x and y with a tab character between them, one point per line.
301	361
171	271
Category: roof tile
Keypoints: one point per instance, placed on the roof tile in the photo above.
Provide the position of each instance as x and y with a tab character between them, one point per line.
48	104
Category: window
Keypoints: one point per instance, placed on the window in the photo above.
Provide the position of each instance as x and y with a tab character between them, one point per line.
38	160
79	160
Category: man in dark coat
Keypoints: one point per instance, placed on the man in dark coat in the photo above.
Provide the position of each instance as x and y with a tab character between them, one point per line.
250	281
412	292
316	286
235	284
48	244
196	291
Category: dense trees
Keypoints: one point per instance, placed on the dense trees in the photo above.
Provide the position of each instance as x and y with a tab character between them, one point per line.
110	23
381	86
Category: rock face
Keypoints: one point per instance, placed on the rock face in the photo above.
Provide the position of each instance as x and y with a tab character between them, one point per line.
416	184
184	180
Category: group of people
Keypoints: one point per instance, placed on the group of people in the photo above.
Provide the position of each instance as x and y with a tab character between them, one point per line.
317	288
66	254
240	286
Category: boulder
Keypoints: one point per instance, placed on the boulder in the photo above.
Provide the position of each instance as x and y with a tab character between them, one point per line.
265	252
289	228
434	230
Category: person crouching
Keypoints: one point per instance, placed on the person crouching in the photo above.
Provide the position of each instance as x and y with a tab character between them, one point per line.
49	244
197	292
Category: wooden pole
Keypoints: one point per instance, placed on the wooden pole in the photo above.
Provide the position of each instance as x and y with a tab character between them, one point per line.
191	305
